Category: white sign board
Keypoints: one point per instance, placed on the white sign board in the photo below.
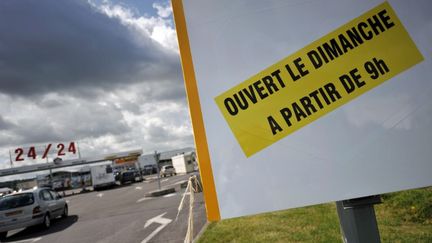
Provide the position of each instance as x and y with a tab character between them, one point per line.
295	103
51	152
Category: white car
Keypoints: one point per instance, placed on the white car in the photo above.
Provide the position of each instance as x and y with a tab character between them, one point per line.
167	170
30	207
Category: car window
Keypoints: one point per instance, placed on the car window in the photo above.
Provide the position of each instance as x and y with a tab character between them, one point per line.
45	195
54	195
16	201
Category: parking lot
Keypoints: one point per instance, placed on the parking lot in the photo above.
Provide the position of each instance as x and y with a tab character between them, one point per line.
121	214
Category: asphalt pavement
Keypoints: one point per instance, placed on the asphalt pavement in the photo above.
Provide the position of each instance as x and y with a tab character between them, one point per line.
121	214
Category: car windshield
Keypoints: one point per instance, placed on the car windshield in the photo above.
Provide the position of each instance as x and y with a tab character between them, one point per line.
16	201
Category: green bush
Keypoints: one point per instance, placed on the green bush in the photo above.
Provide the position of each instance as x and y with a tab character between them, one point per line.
412	205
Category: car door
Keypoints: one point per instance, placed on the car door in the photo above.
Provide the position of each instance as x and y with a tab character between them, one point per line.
48	201
58	203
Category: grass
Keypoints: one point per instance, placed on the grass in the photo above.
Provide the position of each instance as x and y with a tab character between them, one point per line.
403	217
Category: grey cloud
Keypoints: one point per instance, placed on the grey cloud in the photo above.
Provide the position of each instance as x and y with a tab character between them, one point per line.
96	121
68	46
34	132
5	124
165	90
50	102
69	72
72	121
158	133
156	92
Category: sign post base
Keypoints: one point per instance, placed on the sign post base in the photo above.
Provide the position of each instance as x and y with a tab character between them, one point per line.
357	219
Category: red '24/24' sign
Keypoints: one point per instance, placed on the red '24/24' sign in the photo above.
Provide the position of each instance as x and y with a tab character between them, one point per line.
32	153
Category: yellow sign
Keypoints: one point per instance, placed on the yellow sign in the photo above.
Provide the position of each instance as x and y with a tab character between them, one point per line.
318	78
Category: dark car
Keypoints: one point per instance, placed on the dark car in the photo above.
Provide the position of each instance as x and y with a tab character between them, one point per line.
138	177
117	175
126	177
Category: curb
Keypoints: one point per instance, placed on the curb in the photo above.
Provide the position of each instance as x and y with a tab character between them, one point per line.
161	192
203	229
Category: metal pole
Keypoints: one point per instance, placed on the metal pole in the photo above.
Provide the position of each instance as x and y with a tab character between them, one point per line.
357	219
46	154
50	179
156	155
10	157
79	152
139	169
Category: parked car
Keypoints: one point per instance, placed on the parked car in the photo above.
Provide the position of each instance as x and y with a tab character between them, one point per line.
167	170
30	207
5	191
117	175
138	177
127	176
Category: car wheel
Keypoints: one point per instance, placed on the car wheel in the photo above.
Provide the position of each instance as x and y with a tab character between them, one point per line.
46	222
3	235
65	212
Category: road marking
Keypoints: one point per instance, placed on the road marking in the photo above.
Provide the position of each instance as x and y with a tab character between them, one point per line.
170	195
164	180
160	220
28	240
67	201
138	188
99	194
143	199
180	182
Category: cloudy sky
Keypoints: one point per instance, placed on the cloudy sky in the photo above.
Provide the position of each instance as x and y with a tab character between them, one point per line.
106	74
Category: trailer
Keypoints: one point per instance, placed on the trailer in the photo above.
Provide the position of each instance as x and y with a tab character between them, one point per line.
102	176
183	163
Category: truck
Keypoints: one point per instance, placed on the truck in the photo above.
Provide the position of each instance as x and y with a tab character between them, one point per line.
102	176
148	164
